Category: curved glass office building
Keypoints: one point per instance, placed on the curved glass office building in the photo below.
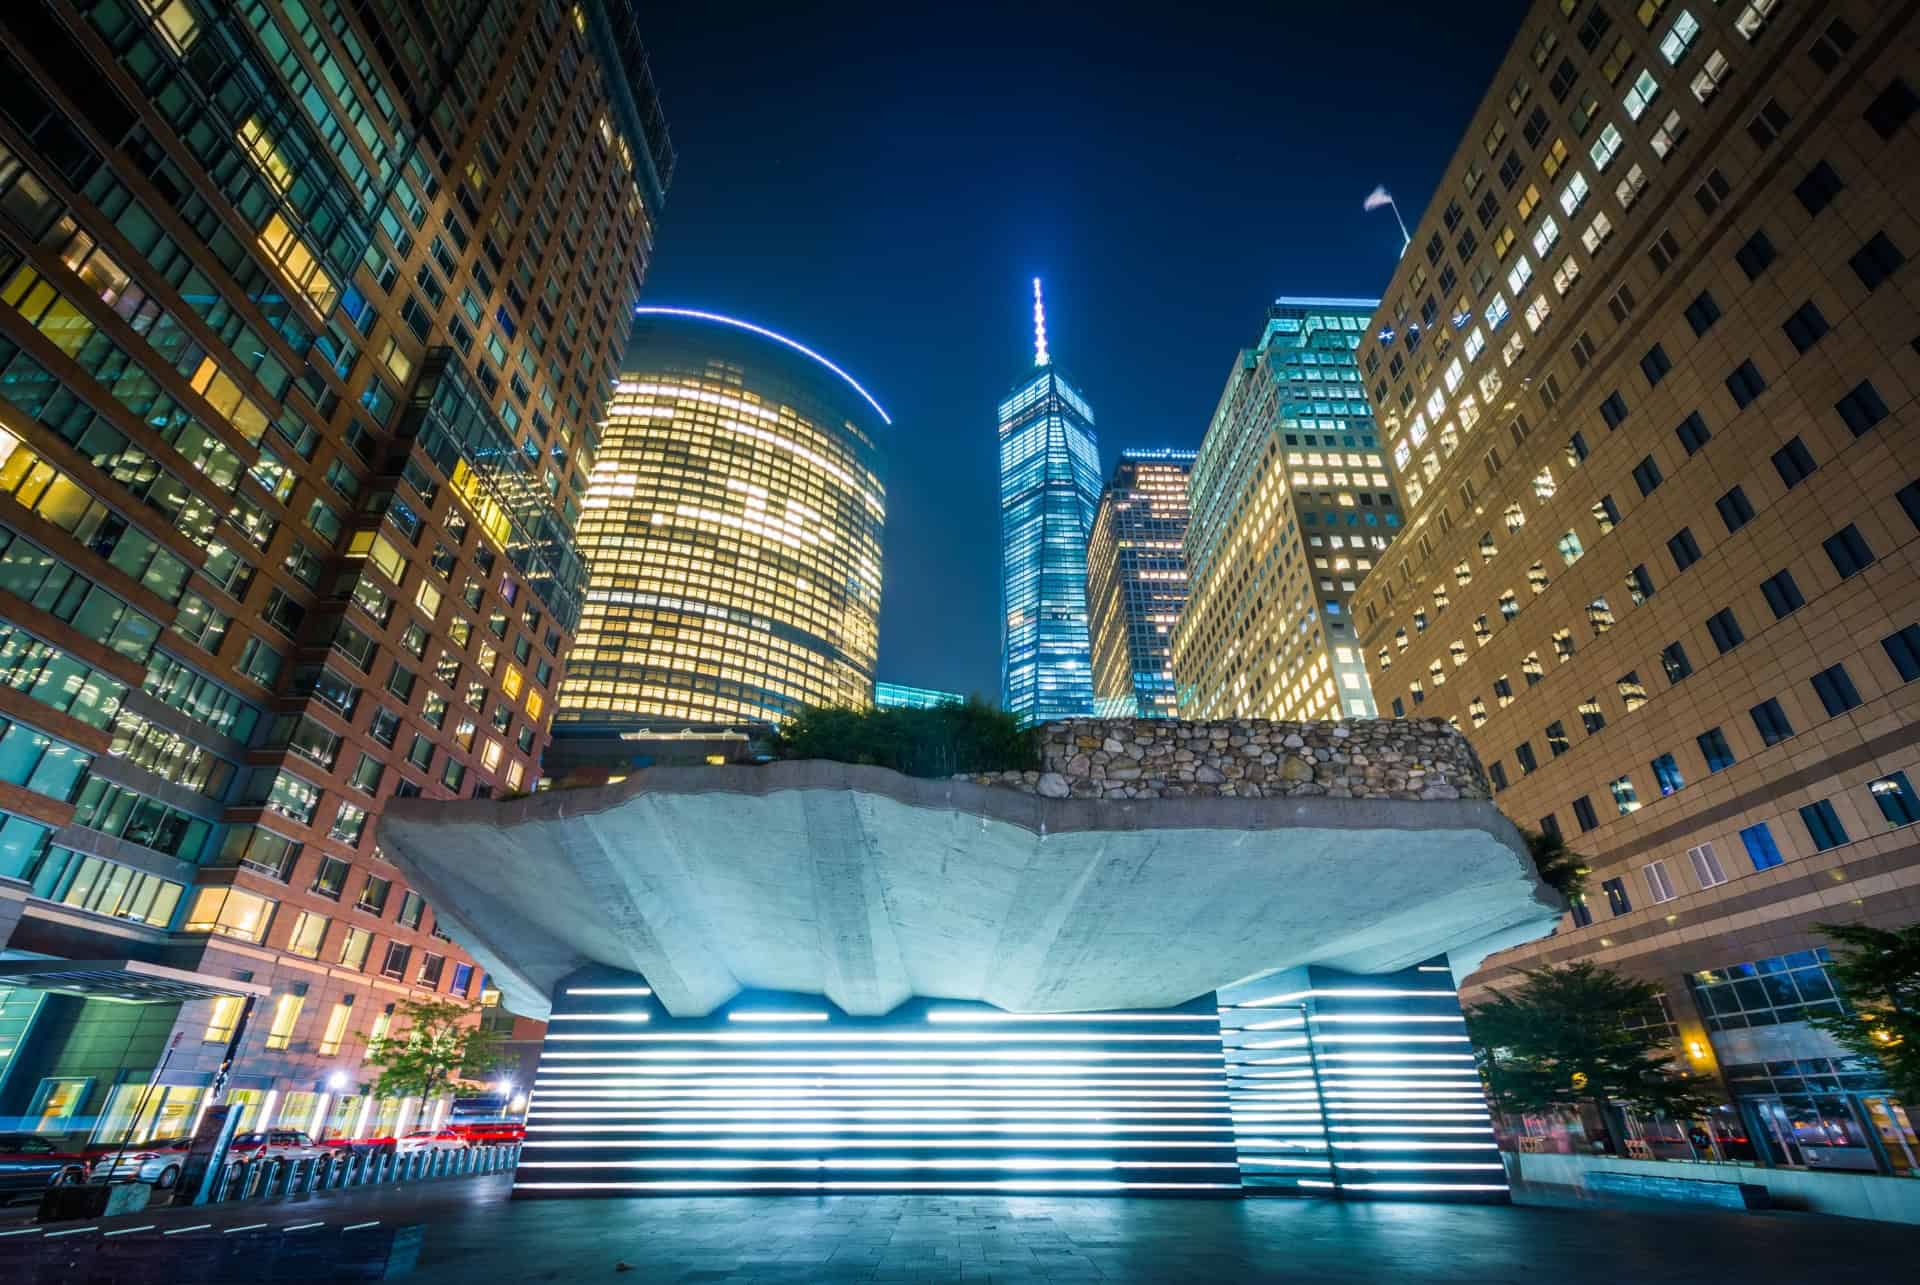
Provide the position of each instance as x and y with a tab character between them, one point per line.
732	525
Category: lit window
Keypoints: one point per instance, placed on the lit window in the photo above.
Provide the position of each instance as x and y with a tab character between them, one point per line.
1605	147
1643	91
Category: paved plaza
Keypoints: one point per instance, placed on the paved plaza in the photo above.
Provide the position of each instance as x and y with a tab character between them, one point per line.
475	1234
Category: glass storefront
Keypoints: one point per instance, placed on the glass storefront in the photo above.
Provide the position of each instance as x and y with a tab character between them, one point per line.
141	1112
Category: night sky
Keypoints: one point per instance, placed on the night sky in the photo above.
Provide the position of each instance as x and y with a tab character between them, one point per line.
883	182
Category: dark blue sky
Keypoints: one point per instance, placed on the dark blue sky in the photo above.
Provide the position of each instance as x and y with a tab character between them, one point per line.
882	183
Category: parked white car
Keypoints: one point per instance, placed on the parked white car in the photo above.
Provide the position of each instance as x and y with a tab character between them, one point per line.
430	1140
276	1144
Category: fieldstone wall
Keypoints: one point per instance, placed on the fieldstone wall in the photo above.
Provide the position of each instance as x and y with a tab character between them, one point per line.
1149	758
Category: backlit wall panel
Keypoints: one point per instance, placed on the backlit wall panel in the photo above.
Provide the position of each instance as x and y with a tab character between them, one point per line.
1358	1085
778	1092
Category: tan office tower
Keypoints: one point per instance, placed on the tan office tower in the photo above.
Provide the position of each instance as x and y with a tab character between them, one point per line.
733	524
1648	370
1292	501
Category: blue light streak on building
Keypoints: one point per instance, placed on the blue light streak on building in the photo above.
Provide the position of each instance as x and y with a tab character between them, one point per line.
901	696
1049	487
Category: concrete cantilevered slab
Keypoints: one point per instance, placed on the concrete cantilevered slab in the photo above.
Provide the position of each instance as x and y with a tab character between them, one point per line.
870	887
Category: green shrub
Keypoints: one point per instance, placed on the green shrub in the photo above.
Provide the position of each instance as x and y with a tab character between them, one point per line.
974	737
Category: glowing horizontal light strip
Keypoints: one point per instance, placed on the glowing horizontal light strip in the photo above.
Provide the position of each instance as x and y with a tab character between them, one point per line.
1381	1128
1434	968
1028	1185
1018	1164
635	1016
1290	1162
1281	1024
776	1017
963	1015
1369	1144
609	990
1378	1039
884	1064
768	1126
768	334
817	1143
896	1037
1344	992
1388	1018
667	1086
898	1097
1396	1057
1410	1186
831	1115
1412	1166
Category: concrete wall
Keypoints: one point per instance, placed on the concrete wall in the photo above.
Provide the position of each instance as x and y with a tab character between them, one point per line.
1153	758
1848	1195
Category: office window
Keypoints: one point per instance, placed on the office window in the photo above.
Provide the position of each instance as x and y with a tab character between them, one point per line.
1876	261
1584	814
1659	883
1646	474
1655	365
1909	497
1557	738
1633	692
286	1012
1755	256
1746	383
1893	107
1782	594
1711	192
331	878
1823	825
1794	462
1806	327
395	964
336	1028
1707	871
1735	509
1702	313
1714	749
1724	628
1497	773
1896	799
1625	797
1692	432
1768	122
1834	686
1614	410
1683	548
1606	514
1591	717
1523	754
1848	550
1666	774
1903	649
1617	900
1582	913
1761	849
1861	408
1673	659
1817	190
1771	721
1639	584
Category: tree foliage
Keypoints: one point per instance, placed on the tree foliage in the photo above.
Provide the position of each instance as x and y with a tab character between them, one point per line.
433	1045
1560	868
1563	1038
1877	971
974	737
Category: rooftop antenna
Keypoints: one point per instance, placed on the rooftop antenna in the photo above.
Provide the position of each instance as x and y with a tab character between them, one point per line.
1039	326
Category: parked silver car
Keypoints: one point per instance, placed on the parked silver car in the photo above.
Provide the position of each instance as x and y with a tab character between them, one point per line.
157	1161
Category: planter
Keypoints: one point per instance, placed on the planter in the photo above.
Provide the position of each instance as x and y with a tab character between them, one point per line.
93	1200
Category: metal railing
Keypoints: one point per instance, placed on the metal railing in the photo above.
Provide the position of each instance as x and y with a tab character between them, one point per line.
275	1178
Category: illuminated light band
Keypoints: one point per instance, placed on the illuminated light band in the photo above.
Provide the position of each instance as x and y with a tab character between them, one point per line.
609	990
1344	992
1410	1186
1090	1019
600	1017
1027	1164
776	1017
893	1037
834	1144
1006	1185
1012	1126
1039	326
767	334
776	1113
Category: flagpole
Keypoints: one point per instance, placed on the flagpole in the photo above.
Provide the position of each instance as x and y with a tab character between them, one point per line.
1406	242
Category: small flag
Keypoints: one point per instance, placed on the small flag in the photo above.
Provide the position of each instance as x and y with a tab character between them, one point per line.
1386	334
1377	198
1460	320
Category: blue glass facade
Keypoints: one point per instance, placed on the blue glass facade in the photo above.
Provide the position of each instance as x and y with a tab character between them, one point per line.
901	696
1049	486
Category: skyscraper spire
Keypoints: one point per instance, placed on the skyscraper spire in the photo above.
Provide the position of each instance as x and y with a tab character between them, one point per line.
1039	326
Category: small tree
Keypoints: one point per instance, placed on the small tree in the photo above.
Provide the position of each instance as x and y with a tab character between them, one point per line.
1563	1039
440	1045
973	737
1560	868
1878	973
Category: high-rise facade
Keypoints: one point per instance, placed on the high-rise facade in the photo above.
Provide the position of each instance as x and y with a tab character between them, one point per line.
1049	487
1648	372
307	315
1137	582
1293	502
734	522
900	696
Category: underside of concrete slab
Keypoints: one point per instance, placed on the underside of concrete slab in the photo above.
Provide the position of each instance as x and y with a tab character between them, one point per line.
870	887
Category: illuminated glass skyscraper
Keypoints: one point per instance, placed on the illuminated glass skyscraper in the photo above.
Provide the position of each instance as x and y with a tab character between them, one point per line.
733	521
1137	583
1049	485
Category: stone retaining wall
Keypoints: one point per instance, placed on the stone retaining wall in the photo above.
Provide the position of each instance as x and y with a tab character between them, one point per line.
1371	758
